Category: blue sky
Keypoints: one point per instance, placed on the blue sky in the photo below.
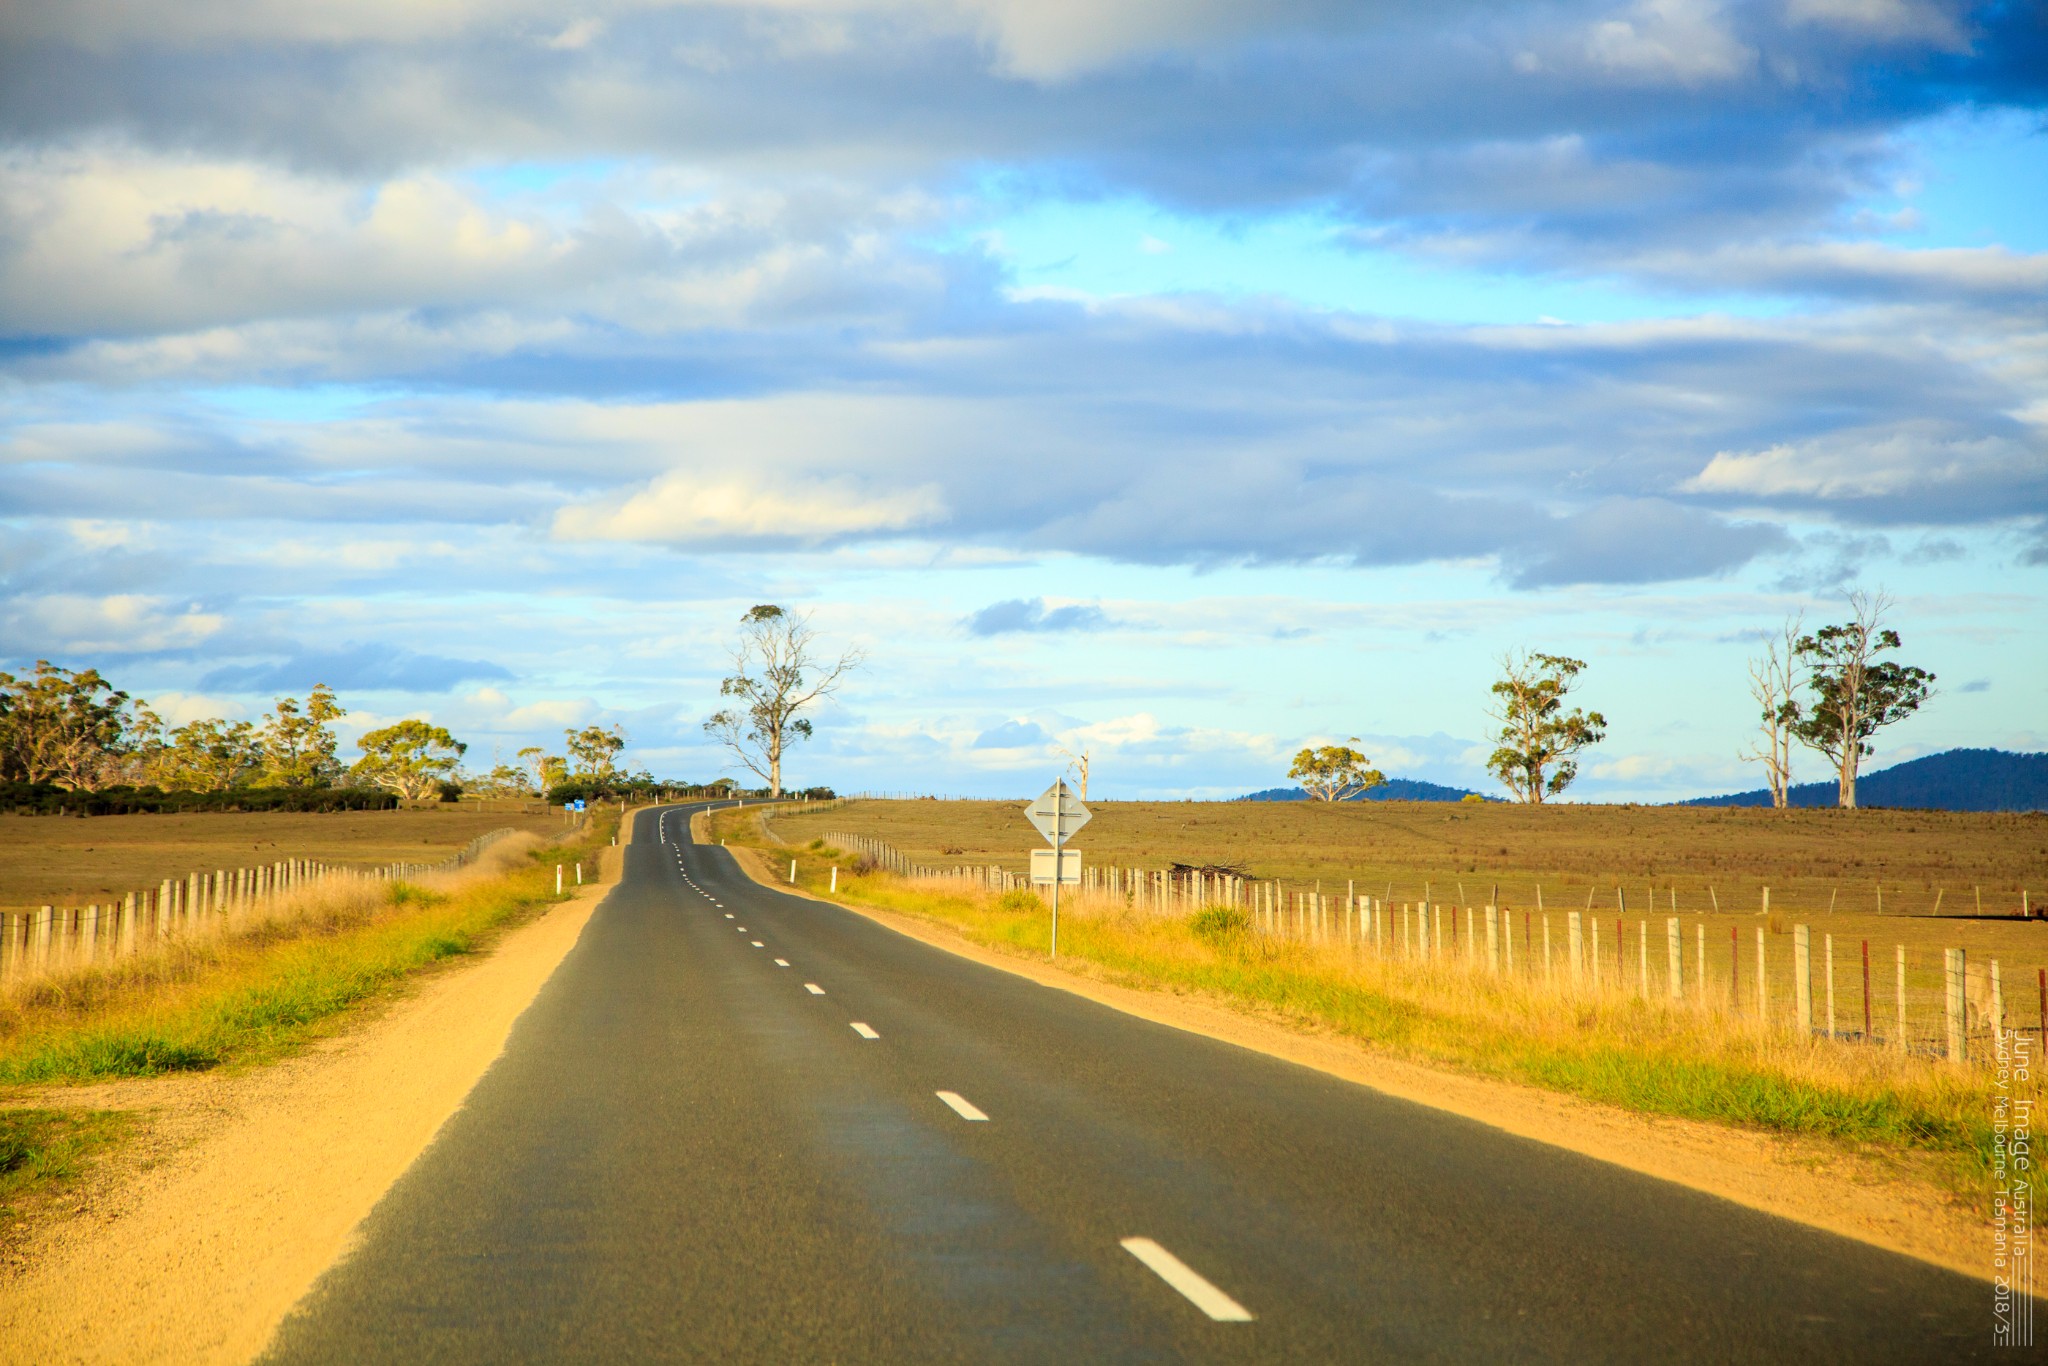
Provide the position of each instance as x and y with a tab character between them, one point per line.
1187	381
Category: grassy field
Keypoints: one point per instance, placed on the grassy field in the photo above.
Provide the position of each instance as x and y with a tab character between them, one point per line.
1686	1059
1712	857
62	861
1708	866
248	995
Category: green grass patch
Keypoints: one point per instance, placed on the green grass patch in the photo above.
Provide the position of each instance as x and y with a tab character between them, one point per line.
42	1151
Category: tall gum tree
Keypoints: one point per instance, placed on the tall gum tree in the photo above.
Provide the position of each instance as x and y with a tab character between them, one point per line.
62	726
1335	773
1855	694
1774	683
777	674
1537	736
412	758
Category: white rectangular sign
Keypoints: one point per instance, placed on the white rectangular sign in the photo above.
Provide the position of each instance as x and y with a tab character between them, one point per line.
1070	866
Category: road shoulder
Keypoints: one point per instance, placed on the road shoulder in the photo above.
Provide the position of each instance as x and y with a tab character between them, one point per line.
252	1184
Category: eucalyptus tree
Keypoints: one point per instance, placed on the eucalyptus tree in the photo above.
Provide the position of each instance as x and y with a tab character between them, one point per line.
1774	683
1855	694
63	726
299	744
1538	737
1335	773
777	675
412	758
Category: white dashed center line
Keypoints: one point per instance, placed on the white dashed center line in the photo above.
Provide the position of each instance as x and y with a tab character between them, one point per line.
864	1031
728	915
962	1107
1188	1281
814	989
782	962
758	944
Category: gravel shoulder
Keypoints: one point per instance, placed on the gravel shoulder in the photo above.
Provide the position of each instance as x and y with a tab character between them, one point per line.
193	1243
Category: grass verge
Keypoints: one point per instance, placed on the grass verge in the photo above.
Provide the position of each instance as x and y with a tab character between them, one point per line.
1932	1120
251	996
44	1151
243	998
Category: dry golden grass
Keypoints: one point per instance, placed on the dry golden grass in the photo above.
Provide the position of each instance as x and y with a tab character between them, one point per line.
1806	857
250	984
1686	1058
66	861
1657	861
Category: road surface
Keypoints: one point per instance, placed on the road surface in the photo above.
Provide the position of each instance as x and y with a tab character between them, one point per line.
743	1126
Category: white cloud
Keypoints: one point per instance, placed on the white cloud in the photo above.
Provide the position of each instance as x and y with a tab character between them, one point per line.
176	709
577	35
117	623
1890	19
1682	40
684	508
1867	464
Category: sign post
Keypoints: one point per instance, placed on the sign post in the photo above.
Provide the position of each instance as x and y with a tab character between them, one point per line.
1058	814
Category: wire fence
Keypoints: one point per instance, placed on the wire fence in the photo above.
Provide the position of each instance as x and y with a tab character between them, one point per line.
62	938
1940	1002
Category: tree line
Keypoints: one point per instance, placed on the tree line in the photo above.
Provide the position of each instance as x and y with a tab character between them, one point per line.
1827	691
73	730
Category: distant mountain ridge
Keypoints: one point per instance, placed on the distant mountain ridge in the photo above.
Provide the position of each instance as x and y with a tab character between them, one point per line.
1953	780
1393	790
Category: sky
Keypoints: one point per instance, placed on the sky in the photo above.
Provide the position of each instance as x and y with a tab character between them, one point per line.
1181	381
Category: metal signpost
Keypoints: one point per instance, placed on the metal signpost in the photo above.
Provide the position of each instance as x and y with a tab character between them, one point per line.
1058	814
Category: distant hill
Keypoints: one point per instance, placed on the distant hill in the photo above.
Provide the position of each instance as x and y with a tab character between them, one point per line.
1394	790
1953	780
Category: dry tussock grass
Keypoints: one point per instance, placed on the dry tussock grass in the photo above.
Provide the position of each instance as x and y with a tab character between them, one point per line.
1653	1055
222	949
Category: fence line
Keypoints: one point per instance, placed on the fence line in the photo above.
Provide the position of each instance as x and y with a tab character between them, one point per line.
57	938
1826	989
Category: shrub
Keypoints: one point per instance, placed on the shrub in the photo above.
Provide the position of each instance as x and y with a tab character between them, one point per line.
1020	901
1219	925
45	799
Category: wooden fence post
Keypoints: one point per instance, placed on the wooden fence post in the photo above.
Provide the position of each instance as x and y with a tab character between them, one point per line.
1763	980
1866	991
1829	949
1954	965
1493	939
1575	942
1997	1007
1802	979
1675	944
1902	996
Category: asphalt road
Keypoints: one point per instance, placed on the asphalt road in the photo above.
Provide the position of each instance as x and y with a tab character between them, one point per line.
718	1134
